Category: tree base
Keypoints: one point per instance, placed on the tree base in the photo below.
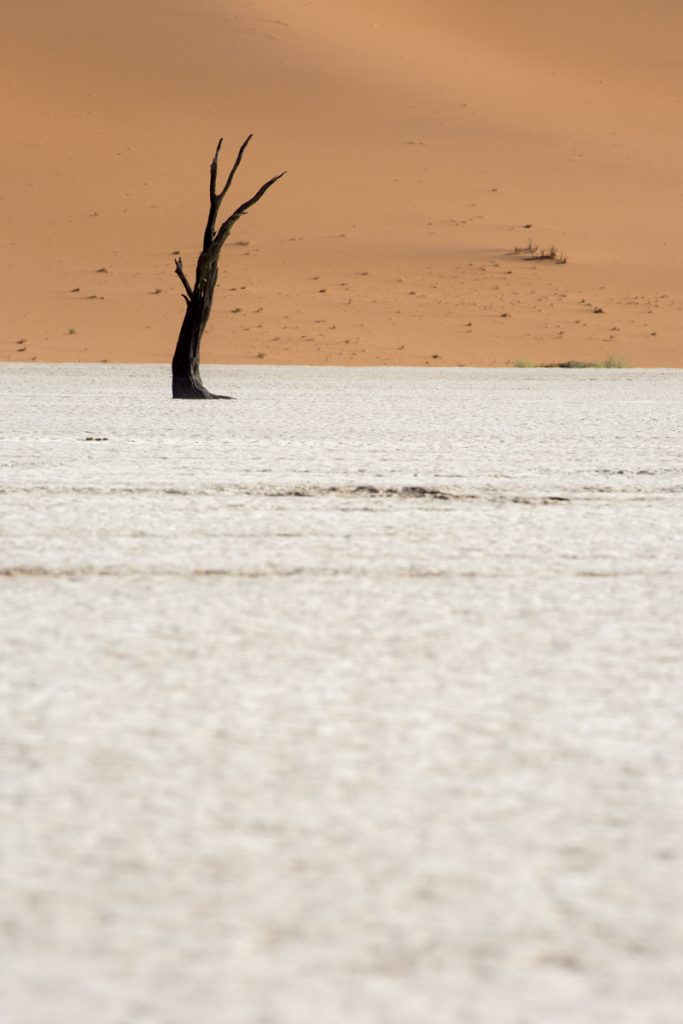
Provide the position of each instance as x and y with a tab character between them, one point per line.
186	387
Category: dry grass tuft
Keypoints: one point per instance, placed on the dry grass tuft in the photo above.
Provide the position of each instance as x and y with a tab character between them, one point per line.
531	251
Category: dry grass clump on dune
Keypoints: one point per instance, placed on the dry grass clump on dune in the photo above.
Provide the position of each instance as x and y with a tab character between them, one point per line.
531	251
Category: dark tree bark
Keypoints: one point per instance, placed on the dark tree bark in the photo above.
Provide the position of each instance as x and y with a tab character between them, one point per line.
187	382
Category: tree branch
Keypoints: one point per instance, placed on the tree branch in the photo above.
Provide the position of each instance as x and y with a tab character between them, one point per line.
214	172
238	161
216	198
227	225
181	274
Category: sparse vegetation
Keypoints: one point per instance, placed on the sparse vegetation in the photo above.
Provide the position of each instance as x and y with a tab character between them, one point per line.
553	254
614	363
520	250
611	363
531	251
570	364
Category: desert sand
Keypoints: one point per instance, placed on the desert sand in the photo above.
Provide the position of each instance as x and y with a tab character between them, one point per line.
424	142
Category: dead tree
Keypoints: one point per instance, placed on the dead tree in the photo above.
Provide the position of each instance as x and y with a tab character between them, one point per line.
187	382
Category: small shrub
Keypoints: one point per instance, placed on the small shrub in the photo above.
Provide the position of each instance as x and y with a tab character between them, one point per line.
532	252
611	363
520	250
553	254
571	364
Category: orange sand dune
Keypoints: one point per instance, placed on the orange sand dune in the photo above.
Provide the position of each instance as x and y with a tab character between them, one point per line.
423	141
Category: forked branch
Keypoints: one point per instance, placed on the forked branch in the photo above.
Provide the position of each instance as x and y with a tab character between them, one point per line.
181	274
238	161
216	198
227	225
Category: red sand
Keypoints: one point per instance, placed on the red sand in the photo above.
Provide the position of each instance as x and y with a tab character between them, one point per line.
420	140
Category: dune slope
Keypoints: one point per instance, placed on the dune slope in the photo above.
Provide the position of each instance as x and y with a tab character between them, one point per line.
424	143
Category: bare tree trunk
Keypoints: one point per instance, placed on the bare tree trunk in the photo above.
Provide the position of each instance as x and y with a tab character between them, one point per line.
187	382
